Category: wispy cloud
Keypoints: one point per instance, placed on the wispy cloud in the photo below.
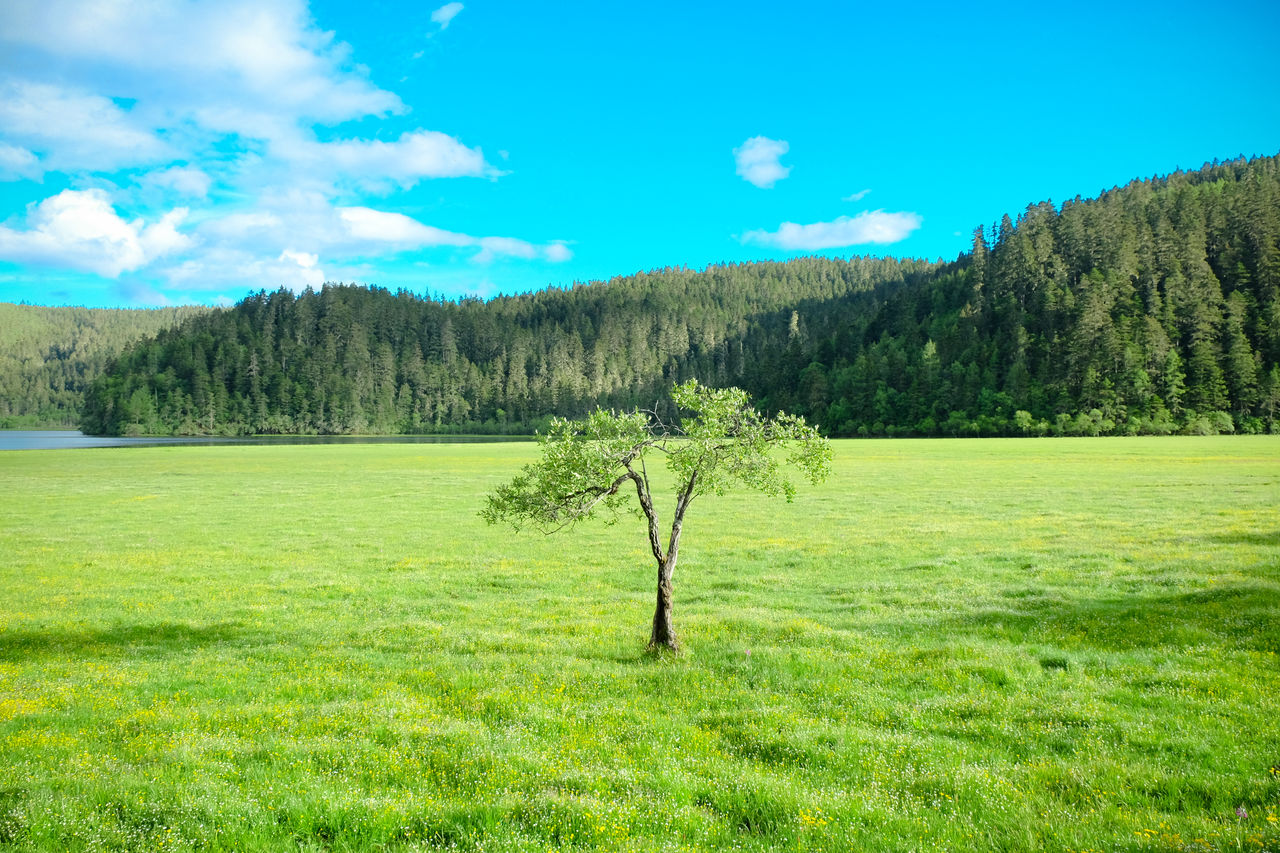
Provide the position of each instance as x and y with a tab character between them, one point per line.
875	226
184	180
18	164
858	196
377	227
64	129
230	267
758	163
321	239
374	164
380	228
445	14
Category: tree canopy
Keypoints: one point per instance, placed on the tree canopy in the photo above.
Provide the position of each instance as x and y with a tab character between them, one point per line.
588	466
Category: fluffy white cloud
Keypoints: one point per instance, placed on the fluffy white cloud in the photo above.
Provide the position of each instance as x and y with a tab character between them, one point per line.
445	14
264	53
212	103
163	237
191	75
875	226
79	229
757	161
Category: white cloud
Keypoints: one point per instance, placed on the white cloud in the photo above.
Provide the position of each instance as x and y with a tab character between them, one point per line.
218	268
876	226
380	227
858	196
163	237
445	14
757	161
269	55
75	130
306	260
250	77
240	226
373	163
185	180
213	103
493	247
188	75
79	229
17	164
558	253
306	230
297	270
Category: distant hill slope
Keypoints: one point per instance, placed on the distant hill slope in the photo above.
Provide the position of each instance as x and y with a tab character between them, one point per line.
1153	308
358	360
49	355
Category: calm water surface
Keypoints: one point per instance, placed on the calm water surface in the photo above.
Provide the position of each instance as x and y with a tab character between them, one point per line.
40	439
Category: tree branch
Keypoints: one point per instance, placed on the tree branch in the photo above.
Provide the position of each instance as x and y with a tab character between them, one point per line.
646	506
682	503
599	493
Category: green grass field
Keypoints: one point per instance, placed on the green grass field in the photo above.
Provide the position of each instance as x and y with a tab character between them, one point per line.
1060	645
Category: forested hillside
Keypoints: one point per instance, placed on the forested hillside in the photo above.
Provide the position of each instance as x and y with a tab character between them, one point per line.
359	360
1154	308
48	356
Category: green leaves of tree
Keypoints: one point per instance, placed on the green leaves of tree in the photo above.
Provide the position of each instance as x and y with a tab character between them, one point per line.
728	442
719	442
583	466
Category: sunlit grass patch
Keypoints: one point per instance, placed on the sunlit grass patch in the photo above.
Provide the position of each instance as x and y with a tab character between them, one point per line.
1020	645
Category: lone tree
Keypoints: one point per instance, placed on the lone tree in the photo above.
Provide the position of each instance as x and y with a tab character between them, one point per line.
588	466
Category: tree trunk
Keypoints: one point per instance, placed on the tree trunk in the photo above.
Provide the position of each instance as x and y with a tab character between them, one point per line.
663	635
664	632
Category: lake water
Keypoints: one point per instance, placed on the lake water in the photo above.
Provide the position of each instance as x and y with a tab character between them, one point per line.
41	439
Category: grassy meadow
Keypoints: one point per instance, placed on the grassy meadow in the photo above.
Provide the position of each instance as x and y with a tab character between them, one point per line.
1058	644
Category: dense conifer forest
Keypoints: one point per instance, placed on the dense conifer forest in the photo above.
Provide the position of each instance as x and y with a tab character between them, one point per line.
1154	308
48	356
351	359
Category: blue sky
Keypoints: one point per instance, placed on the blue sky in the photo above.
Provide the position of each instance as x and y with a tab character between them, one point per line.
170	151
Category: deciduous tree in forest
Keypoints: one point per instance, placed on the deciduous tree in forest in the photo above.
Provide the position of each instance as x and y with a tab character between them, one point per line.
587	466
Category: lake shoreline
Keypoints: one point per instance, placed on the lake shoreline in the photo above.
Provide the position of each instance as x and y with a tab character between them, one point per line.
63	439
